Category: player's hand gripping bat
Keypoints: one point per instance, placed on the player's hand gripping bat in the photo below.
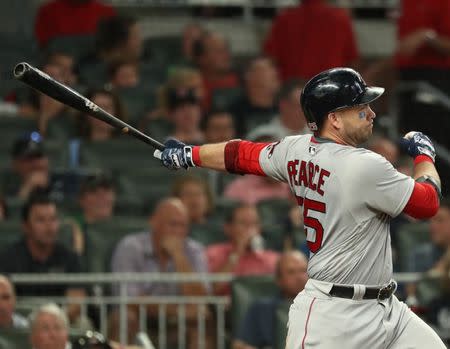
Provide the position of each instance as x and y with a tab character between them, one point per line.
42	82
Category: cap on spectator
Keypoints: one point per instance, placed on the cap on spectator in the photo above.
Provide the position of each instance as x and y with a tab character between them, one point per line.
28	146
177	97
96	181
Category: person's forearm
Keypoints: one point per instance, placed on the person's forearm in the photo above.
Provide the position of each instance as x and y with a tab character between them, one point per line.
212	156
440	44
182	265
425	168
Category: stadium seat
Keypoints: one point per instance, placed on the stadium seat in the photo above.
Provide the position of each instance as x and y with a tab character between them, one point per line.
11	128
16	339
209	233
78	46
117	154
163	49
281	320
137	101
244	291
428	289
104	236
409	237
10	231
222	99
273	212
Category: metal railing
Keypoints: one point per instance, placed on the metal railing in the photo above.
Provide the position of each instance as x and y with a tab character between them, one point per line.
122	300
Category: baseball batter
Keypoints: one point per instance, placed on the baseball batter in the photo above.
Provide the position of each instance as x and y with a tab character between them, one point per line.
348	196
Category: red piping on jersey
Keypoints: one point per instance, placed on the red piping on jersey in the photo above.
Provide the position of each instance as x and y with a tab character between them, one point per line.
307	321
242	157
423	203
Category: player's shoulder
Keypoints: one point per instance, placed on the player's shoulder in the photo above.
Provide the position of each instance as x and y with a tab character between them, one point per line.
365	162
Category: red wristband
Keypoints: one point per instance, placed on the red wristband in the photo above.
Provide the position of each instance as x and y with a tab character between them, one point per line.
422	158
196	155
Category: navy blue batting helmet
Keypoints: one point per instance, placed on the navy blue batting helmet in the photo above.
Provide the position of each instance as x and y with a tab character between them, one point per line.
334	89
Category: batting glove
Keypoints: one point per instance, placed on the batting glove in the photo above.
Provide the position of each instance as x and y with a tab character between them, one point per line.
416	143
175	155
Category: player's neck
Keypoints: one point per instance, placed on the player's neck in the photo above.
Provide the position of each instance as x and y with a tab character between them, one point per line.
334	137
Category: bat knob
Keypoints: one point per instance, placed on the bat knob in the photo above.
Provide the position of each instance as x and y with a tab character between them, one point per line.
20	69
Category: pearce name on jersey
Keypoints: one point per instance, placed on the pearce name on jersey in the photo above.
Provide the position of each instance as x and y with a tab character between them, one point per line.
302	173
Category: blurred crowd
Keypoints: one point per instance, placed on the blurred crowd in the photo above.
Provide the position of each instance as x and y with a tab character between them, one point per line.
77	196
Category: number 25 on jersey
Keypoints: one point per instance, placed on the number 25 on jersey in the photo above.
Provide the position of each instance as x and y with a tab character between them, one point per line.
313	223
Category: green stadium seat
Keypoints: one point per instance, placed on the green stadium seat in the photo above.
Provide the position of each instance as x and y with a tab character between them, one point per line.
409	237
104	236
273	212
209	233
137	101
428	289
10	231
163	50
244	291
281	320
12	127
78	46
223	99
16	339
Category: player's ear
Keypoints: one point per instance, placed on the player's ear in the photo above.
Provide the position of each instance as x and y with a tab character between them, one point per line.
335	120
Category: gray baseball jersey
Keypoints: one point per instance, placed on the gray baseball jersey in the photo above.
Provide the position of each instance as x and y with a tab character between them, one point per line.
348	196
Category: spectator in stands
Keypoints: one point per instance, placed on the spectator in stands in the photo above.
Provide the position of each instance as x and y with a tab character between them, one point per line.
182	78
423	54
196	195
212	57
119	39
39	251
186	115
290	120
191	33
49	328
252	189
52	117
438	312
218	126
430	255
385	147
66	63
97	198
8	318
94	130
243	254
3	209
323	31
123	74
29	167
257	328
165	248
258	104
59	18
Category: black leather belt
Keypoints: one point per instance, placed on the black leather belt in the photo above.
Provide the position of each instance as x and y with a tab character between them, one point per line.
370	293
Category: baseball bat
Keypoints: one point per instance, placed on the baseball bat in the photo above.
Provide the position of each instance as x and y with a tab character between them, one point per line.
42	82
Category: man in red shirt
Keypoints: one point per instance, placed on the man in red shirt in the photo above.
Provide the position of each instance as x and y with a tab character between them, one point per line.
311	37
212	56
69	17
423	54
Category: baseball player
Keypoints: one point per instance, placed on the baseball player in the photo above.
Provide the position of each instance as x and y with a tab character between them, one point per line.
348	196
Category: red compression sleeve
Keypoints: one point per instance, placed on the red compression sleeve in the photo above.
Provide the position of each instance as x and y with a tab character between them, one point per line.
422	158
423	203
242	157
